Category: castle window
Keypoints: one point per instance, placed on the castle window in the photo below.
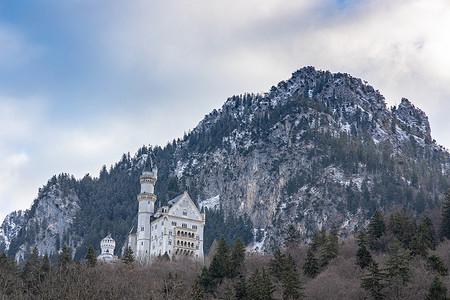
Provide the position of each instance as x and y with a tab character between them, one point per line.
170	232
184	212
142	228
194	226
142	243
156	226
184	225
174	223
170	242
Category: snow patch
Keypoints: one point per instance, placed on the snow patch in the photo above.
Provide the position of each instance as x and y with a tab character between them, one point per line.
180	169
211	203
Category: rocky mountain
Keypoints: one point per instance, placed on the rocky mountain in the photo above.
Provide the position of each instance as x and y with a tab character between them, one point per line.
316	150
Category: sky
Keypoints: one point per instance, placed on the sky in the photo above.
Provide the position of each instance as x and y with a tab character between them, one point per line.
82	81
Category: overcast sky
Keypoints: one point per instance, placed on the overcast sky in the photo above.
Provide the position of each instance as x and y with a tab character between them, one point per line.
83	81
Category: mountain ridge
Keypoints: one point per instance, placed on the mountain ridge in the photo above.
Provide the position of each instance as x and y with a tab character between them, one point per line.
317	149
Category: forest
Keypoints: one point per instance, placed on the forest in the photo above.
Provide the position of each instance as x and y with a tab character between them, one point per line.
397	256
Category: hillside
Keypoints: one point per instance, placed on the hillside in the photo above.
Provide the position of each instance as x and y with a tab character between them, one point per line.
316	150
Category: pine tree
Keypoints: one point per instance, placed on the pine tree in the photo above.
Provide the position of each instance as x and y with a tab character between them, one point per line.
46	265
292	238
197	291
9	283
445	227
31	273
398	272
165	257
398	263
220	264
292	287
436	263
277	264
421	241
128	257
266	286
311	265
437	290
376	228
402	227
237	259
205	280
374	281
260	286
91	259
363	256
331	248
240	288
64	259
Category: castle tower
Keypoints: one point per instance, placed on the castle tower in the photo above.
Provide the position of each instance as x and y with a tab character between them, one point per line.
146	201
107	245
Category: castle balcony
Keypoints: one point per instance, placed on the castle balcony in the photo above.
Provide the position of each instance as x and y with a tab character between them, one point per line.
148	177
146	197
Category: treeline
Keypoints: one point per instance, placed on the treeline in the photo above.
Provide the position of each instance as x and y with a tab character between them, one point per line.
396	257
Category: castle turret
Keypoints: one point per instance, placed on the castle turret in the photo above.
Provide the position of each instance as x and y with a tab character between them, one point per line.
107	245
146	200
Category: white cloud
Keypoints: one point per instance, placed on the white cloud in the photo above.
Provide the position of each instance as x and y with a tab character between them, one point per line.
186	58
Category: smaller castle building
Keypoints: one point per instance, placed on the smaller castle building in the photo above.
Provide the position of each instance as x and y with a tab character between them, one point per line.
107	245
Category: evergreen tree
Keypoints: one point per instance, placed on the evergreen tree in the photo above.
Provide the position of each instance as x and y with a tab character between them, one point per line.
220	264
91	259
292	238
398	272
292	287
165	257
374	281
363	256
128	257
46	265
437	290
331	248
445	227
197	291
422	241
376	228
240	288
436	263
64	259
9	283
277	264
398	263
237	259
260	286
31	273
402	227
205	280
311	265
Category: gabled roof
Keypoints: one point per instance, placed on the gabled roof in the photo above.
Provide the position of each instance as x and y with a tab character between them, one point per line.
173	203
175	200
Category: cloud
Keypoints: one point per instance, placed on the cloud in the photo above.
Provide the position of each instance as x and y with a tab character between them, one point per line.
146	71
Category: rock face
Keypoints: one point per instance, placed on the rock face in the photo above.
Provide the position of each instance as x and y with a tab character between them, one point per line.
46	223
316	150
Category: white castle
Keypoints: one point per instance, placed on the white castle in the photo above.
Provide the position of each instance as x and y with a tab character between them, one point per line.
175	229
107	245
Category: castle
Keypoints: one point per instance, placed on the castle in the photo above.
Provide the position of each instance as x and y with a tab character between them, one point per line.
175	229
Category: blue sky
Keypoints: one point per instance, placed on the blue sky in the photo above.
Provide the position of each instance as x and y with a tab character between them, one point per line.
82	82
